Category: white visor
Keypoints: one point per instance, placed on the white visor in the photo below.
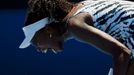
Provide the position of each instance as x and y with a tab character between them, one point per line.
31	29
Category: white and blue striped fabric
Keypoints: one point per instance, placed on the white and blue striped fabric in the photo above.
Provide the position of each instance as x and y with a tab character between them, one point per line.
115	17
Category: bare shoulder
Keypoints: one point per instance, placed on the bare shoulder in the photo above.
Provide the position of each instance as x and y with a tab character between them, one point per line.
80	18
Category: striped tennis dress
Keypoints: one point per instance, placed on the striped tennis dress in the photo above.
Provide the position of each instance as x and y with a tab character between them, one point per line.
116	18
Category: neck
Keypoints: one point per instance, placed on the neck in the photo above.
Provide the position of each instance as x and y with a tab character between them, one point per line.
67	35
64	8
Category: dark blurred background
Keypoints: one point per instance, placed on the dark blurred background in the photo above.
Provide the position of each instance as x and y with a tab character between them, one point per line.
13	4
76	59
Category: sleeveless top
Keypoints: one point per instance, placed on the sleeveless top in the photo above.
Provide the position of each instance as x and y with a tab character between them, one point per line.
115	17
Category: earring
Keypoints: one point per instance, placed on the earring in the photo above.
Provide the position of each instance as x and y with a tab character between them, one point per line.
50	36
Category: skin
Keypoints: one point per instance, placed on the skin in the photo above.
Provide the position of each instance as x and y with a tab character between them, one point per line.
92	36
42	40
81	28
130	70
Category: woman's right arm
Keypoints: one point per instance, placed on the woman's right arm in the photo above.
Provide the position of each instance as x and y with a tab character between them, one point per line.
106	43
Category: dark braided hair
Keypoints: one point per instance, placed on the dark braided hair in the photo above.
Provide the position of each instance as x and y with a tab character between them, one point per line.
39	9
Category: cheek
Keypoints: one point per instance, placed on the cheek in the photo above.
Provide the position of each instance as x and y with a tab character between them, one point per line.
40	41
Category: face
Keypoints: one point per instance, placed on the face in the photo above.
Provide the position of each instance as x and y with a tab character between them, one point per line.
48	38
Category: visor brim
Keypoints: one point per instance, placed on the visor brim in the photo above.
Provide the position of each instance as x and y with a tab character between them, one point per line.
31	30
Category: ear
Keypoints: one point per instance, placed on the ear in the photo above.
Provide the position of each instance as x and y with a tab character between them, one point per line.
61	27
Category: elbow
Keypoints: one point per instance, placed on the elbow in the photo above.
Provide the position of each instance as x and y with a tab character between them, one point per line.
122	53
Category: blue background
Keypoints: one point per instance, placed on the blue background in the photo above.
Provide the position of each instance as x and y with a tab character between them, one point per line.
76	59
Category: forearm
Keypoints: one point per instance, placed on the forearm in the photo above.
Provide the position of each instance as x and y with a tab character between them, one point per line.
120	64
99	39
105	43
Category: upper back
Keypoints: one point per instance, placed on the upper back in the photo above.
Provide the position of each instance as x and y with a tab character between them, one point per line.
107	12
